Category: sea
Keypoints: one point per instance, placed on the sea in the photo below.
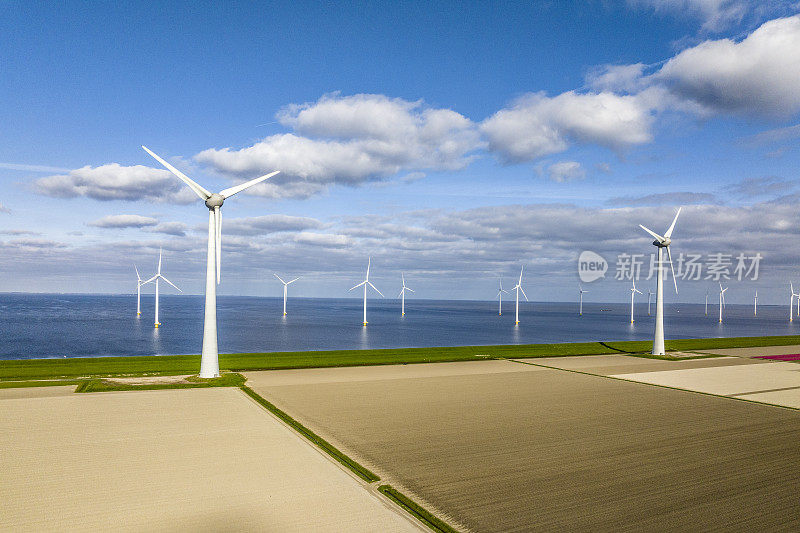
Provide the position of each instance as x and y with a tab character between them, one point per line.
79	325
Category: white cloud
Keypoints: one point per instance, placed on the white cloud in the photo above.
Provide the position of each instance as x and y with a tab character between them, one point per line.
177	229
32	168
350	140
266	224
759	75
116	182
536	125
325	240
566	171
123	221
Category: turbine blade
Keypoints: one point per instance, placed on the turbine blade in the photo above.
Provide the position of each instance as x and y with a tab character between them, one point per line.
369	262
412	290
674	279
168	281
400	294
523	293
277	276
230	191
520	274
295	279
668	234
658	237
218	239
199	191
159	260
151	279
138	277
357	286
376	289
637	290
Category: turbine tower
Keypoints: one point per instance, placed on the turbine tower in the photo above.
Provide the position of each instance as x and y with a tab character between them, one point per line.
139	283
580	304
285	286
209	362
790	309
650	293
518	288
755	304
402	295
661	243
791	301
155	278
634	290
365	283
500	292
721	300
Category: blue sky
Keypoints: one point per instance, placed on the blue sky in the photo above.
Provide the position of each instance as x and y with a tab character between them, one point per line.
403	131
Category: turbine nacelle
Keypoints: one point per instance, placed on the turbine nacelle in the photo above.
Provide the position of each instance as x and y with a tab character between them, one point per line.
215	200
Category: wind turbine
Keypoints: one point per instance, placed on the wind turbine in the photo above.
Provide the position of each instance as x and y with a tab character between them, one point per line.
755	304
790	310
365	283
580	304
209	362
500	292
139	283
285	286
633	291
721	300
791	301
518	288
402	295
661	243
650	293
155	278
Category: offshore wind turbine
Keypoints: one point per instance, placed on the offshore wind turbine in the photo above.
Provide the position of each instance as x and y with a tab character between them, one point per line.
365	283
580	302
155	278
633	291
721	300
755	304
402	295
790	310
661	243
209	362
649	294
791	301
139	283
518	288
500	292
285	286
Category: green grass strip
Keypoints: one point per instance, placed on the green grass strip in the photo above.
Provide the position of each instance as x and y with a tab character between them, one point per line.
416	510
74	367
229	379
48	383
361	471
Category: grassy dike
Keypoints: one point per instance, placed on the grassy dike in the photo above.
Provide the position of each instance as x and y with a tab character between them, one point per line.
66	368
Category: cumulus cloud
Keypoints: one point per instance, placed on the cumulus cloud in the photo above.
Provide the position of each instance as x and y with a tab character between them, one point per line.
177	229
123	221
117	182
666	198
266	224
759	75
566	171
350	140
325	240
536	125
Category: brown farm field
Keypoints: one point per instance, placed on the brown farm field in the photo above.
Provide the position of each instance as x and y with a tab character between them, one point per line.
506	446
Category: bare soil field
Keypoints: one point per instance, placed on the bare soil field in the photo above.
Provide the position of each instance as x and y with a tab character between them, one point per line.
172	460
755	352
547	449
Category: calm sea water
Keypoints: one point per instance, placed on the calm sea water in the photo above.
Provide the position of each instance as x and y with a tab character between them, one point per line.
40	325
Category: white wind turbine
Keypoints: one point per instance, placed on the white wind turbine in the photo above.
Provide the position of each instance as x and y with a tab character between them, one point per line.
650	293
500	292
209	362
661	243
755	304
155	278
791	301
139	283
721	300
402	296
365	283
518	288
580	304
285	287
707	304
634	290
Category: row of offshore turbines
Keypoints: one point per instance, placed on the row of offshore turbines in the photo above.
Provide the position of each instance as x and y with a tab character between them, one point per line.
209	363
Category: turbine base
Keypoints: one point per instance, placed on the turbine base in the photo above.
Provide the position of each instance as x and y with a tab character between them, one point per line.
157	324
